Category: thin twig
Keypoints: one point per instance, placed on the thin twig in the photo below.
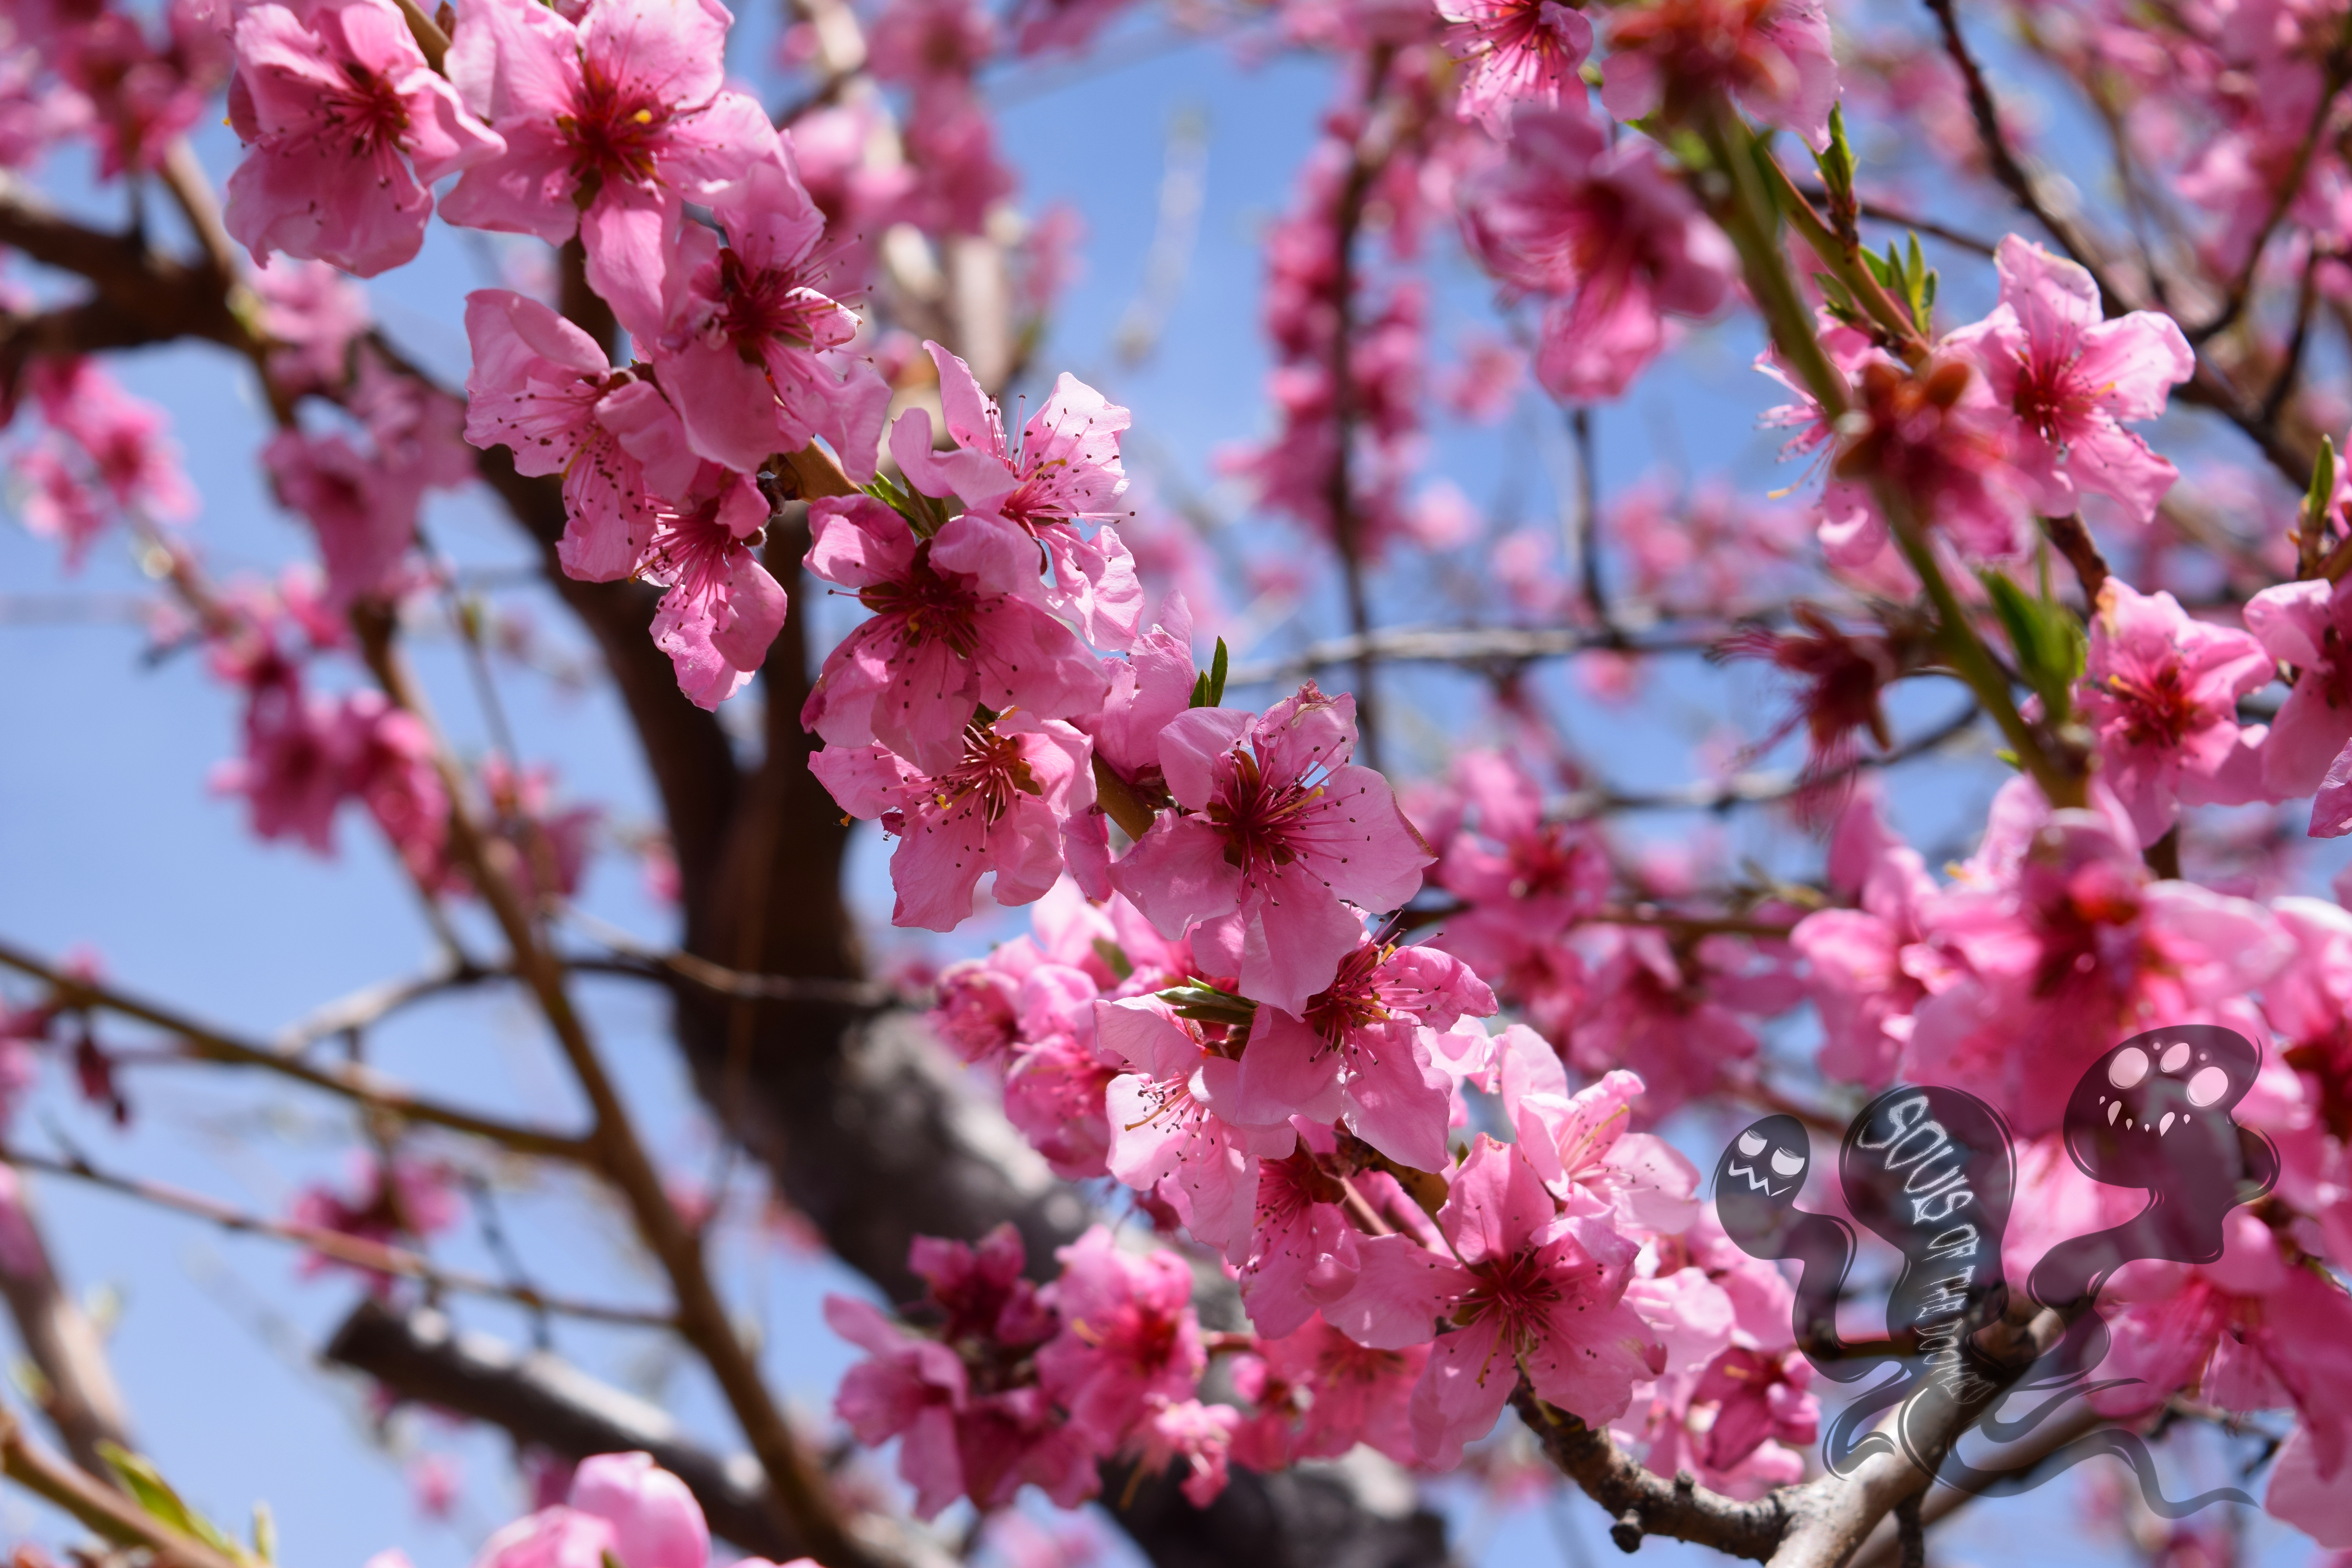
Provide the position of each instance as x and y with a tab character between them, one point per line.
101	1509
205	1044
798	1487
373	1257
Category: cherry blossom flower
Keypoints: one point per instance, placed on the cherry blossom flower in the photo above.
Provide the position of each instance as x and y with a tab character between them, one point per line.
1278	828
1606	232
2062	942
1869	967
2313	1500
619	1505
1677	1015
912	1388
2305	625
928	45
723	608
314	315
1357	1052
1172	1131
1302	1245
1200	1434
1318	1393
541	387
384	1203
2072	378
1000	808
2161	693
1513	52
2257	1330
610	123
327	97
939	643
363	511
1530	1292
754	358
1127	1336
1064	470
1772	55
1525	879
1932	436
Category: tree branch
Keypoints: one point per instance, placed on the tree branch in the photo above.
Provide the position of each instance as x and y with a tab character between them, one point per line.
204	1043
102	1509
78	1394
373	1257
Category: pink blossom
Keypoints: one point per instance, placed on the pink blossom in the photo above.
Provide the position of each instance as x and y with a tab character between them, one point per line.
1607	233
1582	1144
2314	1501
1513	52
1676	1014
1054	1092
1869	967
2162	691
610	124
126	456
911	1389
1302	1244
365	514
939	644
2305	625
327	98
541	387
1277	829
1530	1292
1318	1393
1171	1131
1772	55
1064	470
2254	1330
928	45
656	1521
1127	1336
622	1506
755	357
1525	879
2063	943
1358	1051
1933	437
315	315
723	608
1200	1434
2072	379
1000	808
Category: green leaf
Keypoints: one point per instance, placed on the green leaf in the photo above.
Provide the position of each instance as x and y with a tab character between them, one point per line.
2047	640
1114	957
153	1494
1837	164
1207	1005
2323	488
265	1533
1209	688
925	514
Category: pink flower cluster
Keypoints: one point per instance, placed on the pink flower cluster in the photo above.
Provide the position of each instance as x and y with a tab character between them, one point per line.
102	456
129	81
616	1509
959	713
2021	413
